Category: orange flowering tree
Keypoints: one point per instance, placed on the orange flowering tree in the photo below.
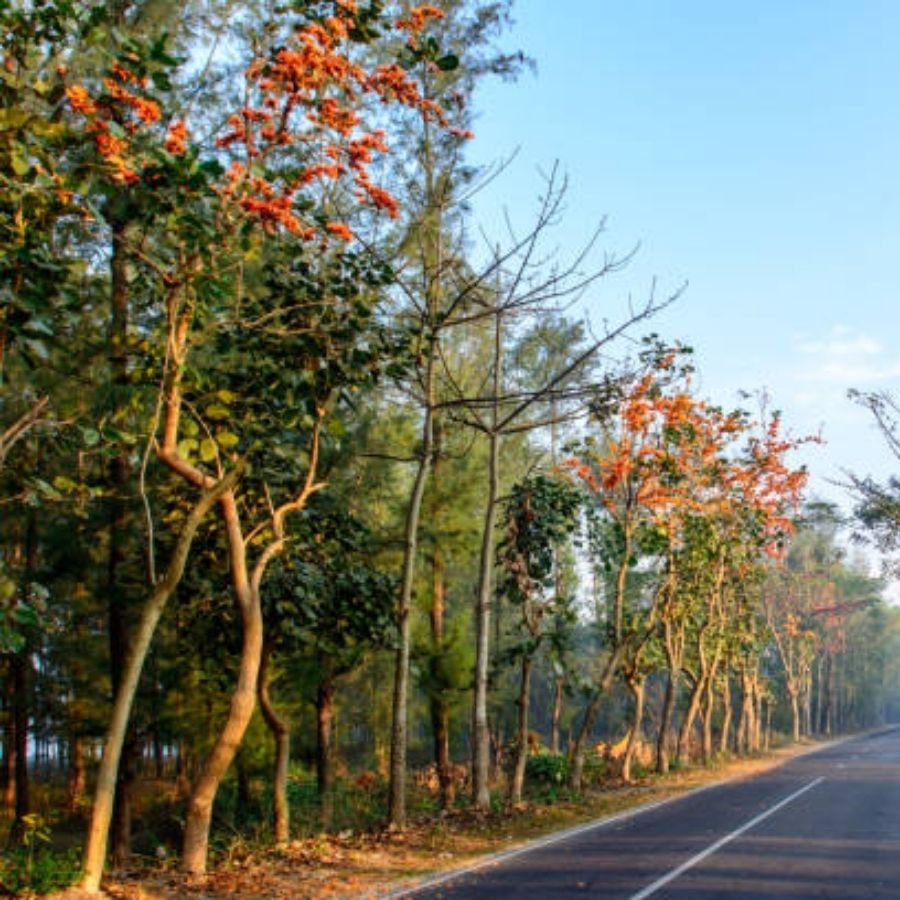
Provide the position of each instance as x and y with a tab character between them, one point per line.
220	216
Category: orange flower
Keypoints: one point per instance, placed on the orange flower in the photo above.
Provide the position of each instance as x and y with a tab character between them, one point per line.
176	138
80	100
339	229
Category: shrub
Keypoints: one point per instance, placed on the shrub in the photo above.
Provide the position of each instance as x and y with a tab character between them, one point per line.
547	768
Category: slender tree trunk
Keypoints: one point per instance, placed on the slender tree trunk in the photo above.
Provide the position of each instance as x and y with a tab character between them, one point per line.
578	747
440	710
325	748
281	736
77	778
21	676
673	671
9	743
636	686
682	750
96	842
243	701
795	715
118	512
397	788
709	703
726	715
518	780
481	738
559	683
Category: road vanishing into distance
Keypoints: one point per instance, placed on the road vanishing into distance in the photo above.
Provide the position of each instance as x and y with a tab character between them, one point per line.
826	824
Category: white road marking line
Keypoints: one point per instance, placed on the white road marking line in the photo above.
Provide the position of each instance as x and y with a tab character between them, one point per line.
712	848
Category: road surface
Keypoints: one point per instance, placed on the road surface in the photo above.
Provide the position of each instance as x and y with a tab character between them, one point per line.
826	824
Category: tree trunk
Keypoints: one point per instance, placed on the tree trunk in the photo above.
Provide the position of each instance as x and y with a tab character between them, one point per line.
21	672
795	716
9	743
726	715
577	747
518	780
325	748
95	845
481	750
281	735
559	683
77	779
397	788
440	710
682	749
709	703
636	686
243	701
673	666
118	523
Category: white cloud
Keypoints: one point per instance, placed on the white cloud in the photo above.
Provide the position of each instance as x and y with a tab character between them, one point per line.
847	358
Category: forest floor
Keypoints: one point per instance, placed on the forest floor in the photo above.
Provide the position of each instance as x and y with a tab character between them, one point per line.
378	862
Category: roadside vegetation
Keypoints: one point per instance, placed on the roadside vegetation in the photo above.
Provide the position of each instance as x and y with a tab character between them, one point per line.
332	534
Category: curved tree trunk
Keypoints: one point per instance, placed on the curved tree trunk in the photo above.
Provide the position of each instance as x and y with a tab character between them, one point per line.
578	747
636	686
97	836
243	701
518	780
281	735
682	749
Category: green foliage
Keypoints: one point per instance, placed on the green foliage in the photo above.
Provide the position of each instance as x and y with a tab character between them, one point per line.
33	867
547	768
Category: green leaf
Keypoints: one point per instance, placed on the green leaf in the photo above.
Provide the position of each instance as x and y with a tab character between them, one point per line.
187	446
448	63
19	158
226	439
217	412
208	450
12	118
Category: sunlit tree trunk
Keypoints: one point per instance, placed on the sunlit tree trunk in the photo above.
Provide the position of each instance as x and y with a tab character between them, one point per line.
636	687
281	735
104	792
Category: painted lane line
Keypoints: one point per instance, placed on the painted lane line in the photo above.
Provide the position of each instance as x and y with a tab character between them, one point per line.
712	848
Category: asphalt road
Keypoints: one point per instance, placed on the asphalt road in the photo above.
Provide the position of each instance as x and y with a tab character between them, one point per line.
826	824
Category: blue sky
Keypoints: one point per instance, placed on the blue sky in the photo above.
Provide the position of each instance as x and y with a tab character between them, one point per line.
753	149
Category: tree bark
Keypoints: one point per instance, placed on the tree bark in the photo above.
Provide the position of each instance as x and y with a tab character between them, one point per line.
440	710
726	716
9	743
281	736
96	842
795	716
77	778
559	683
673	670
636	687
481	738
397	787
243	701
118	512
518	780
325	748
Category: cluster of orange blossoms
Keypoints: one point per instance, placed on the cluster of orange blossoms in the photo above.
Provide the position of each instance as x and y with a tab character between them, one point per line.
308	95
669	457
316	79
122	104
